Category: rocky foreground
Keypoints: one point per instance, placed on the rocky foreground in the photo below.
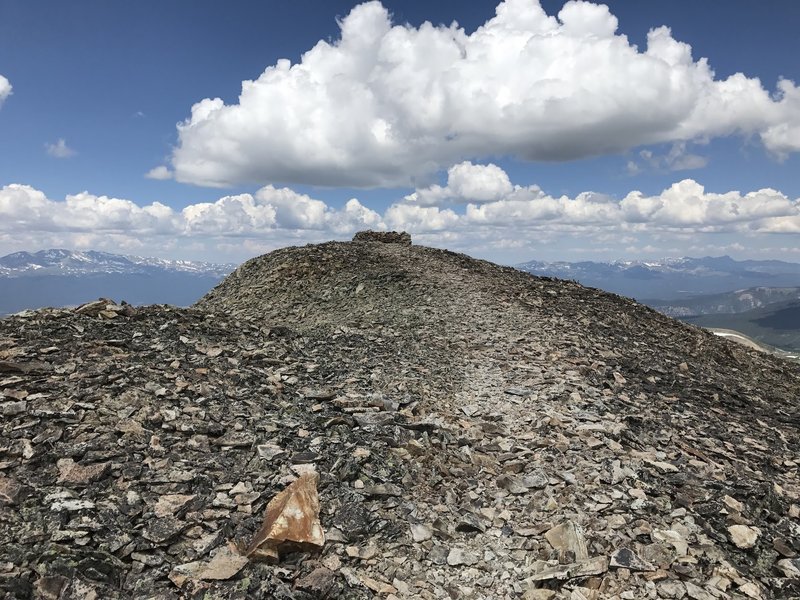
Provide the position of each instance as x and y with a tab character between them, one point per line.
472	432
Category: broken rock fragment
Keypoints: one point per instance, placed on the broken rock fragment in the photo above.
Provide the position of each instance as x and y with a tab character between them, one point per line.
319	582
50	587
512	484
169	504
593	566
225	564
162	531
11	492
420	533
469	523
539	594
353	519
626	558
383	490
10	409
568	536
291	521
790	567
459	556
743	536
72	472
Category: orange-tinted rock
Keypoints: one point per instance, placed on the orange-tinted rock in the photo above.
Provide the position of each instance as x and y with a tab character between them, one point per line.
291	521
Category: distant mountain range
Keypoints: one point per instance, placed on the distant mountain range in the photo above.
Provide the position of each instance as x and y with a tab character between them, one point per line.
711	292
673	278
91	262
60	277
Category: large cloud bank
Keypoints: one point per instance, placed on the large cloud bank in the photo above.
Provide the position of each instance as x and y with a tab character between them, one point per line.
388	104
275	216
491	200
5	89
478	207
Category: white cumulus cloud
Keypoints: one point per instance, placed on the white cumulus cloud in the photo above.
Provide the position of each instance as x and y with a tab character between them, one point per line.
59	149
26	209
5	89
421	218
389	104
783	137
245	224
684	206
273	215
466	182
160	172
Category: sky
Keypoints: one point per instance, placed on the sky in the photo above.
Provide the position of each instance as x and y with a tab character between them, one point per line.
512	131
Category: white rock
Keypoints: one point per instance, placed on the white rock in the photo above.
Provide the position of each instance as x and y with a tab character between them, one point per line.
71	505
743	536
457	556
420	533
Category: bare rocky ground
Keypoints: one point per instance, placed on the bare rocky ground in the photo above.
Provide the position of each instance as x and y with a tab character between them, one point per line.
478	433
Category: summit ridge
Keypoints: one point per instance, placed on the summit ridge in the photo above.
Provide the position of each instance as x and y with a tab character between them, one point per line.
478	432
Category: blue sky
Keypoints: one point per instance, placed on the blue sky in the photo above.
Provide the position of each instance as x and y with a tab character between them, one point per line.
98	87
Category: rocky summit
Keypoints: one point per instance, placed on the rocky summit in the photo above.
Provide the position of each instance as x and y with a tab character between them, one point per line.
376	419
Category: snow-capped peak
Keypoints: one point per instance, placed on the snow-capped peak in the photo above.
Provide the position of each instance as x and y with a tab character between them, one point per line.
58	261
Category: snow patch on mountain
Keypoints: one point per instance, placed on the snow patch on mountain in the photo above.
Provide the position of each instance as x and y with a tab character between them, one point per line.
57	261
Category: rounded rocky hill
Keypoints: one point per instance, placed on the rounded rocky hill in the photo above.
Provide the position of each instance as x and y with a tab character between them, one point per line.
477	432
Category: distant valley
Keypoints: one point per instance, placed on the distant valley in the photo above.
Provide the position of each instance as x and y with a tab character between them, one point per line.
770	316
60	277
760	299
776	325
